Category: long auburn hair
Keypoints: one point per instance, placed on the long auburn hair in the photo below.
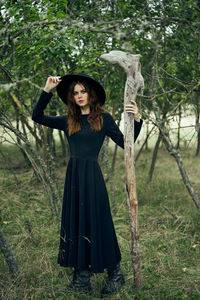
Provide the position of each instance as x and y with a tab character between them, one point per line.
74	112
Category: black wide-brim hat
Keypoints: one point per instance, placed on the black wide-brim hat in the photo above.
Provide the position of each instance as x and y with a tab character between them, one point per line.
63	87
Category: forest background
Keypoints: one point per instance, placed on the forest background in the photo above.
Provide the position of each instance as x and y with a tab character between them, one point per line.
43	38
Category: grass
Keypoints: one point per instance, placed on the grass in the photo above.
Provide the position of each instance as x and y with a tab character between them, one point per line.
170	249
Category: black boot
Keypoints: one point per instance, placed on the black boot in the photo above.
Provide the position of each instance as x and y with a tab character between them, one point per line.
114	281
80	281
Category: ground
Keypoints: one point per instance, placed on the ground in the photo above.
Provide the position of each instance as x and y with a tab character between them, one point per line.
170	249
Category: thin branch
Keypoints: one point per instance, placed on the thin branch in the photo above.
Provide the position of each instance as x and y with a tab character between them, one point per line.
66	24
171	213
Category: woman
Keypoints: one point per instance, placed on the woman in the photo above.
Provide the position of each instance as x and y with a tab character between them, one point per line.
88	241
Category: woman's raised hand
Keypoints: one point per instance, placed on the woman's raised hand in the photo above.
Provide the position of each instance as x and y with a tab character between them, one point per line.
132	108
51	83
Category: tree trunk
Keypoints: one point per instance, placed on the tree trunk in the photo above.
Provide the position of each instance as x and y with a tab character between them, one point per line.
147	135
9	257
170	147
63	144
41	168
114	158
172	150
197	121
106	162
179	127
143	145
10	167
51	142
18	139
182	169
111	176
154	157
198	140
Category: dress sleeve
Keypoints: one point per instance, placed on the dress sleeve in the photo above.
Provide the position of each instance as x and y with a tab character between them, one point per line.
113	131
57	122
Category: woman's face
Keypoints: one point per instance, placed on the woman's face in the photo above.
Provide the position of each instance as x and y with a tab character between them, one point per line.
80	95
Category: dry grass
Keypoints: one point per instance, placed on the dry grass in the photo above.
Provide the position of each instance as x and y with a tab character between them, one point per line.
170	250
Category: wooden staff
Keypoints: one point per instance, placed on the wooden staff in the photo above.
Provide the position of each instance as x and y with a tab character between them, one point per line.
131	65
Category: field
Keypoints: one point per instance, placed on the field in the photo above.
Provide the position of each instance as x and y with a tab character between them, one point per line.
170	248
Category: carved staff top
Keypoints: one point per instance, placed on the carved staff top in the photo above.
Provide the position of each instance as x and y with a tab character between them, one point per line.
130	63
134	82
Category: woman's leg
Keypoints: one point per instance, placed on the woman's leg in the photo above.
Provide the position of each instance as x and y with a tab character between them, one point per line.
80	281
114	281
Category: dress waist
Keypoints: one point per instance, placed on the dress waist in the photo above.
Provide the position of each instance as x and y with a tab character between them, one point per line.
84	158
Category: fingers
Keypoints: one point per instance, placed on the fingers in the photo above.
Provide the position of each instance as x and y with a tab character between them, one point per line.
52	82
131	105
132	108
134	103
55	79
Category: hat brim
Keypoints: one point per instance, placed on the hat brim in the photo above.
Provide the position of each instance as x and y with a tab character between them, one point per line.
63	87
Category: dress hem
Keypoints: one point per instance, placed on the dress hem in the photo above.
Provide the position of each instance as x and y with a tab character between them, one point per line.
92	271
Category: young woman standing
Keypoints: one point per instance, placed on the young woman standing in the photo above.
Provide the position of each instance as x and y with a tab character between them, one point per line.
88	240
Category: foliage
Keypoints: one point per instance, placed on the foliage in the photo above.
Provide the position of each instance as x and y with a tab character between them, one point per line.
39	38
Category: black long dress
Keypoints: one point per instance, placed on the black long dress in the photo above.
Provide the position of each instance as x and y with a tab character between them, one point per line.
87	236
